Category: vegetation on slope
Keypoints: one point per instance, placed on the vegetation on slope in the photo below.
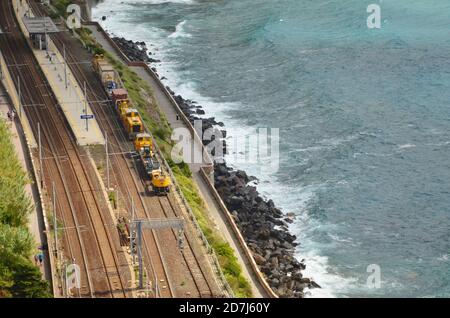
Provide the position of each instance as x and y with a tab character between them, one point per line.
19	277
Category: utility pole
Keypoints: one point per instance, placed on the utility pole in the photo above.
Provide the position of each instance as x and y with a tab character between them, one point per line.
131	230
20	97
85	107
55	223
40	155
55	230
45	36
139	250
107	161
65	65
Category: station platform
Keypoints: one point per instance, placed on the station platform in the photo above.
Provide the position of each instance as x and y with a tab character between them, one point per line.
70	97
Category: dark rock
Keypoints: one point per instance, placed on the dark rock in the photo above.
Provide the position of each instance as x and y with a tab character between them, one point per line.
274	262
289	220
304	280
259	259
236	202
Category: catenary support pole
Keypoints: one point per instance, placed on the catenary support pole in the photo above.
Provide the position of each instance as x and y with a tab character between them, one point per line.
107	162
55	223
139	246
85	107
41	167
65	65
20	97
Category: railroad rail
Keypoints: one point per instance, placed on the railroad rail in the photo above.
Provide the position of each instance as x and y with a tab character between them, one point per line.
90	239
132	184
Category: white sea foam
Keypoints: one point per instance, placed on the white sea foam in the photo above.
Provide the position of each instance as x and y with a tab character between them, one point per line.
406	146
318	269
160	42
179	31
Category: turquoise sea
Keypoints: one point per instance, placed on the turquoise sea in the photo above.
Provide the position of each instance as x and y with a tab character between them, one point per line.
364	118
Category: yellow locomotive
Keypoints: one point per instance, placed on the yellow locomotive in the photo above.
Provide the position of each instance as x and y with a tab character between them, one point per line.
143	145
129	116
160	183
133	125
132	122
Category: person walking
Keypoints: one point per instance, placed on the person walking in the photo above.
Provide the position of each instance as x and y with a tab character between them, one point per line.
41	258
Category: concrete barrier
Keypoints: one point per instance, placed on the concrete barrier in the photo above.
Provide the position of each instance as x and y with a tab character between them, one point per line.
269	292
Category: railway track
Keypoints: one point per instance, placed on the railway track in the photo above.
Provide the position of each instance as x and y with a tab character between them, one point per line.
88	232
133	184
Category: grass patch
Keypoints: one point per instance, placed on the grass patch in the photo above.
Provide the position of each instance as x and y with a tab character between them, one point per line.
112	198
91	44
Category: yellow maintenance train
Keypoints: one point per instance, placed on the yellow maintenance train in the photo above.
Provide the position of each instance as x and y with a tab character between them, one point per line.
133	125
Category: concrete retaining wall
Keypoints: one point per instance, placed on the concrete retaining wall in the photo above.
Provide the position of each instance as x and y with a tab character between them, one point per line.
238	234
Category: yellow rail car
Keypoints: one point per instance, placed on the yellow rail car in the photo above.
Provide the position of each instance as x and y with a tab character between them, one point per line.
122	107
132	123
160	183
143	144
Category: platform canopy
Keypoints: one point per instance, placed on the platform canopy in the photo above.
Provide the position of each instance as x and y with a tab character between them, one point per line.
40	25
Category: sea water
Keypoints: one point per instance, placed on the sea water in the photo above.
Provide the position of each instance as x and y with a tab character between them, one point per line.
364	120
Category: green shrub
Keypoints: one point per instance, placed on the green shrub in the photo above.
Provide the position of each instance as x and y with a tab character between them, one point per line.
61	6
18	276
